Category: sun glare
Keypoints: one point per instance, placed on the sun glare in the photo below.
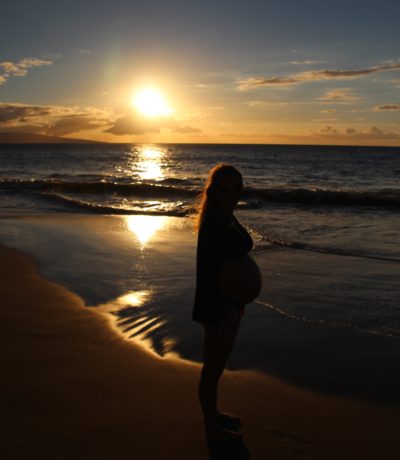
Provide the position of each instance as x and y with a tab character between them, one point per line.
151	103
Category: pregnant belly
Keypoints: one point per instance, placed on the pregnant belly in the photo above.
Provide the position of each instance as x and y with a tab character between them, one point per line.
240	279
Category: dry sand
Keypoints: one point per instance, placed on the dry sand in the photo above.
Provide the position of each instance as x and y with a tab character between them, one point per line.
73	388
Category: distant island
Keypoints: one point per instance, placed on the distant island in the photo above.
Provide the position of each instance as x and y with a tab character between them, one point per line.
30	138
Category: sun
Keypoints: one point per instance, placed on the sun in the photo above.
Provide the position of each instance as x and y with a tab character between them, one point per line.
151	103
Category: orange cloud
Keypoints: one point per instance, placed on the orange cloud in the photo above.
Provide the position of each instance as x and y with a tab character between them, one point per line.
61	121
134	124
13	112
73	123
53	120
344	95
20	69
312	76
387	107
258	104
369	134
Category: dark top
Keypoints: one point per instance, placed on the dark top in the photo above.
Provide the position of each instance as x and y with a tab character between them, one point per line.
217	240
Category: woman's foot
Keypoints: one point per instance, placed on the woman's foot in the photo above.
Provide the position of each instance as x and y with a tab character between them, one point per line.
229	421
224	435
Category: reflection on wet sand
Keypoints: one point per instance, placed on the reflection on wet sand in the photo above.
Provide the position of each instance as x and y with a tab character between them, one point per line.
143	325
144	227
130	299
145	329
139	315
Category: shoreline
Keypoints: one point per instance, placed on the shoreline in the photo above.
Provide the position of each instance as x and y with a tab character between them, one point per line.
77	389
138	271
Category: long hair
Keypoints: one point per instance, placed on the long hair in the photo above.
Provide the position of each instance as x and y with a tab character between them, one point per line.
206	201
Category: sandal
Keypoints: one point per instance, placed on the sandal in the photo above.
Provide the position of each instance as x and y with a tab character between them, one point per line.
230	422
225	436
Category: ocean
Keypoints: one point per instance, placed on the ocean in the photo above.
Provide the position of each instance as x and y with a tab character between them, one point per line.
325	222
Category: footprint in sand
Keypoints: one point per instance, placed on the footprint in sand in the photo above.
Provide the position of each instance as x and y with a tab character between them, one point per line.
300	443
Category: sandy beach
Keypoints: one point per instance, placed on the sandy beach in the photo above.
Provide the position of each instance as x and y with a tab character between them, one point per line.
76	388
165	164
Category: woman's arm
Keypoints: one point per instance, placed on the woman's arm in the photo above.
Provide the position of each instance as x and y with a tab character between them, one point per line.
211	247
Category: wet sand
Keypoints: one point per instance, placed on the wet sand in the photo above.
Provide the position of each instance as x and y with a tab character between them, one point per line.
74	388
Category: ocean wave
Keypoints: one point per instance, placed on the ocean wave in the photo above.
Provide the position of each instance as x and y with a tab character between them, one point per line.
175	188
322	197
97	187
177	209
173	181
268	244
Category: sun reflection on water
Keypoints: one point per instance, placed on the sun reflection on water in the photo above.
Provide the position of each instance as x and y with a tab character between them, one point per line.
148	163
144	227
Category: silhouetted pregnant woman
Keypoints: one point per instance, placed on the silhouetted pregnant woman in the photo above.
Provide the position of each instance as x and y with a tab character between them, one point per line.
227	279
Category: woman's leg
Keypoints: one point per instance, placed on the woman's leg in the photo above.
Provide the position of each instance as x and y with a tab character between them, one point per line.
218	343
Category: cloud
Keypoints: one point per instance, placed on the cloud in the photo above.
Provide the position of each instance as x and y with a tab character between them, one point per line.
312	76
329	129
131	124
372	133
11	112
328	111
26	128
52	55
387	107
135	124
324	120
344	95
377	132
305	62
186	130
50	120
63	121
73	123
256	104
255	82
260	104
20	69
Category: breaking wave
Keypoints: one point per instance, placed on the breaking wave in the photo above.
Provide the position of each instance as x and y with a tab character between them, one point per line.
175	189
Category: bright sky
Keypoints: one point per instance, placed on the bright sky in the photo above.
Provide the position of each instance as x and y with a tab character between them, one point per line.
288	71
